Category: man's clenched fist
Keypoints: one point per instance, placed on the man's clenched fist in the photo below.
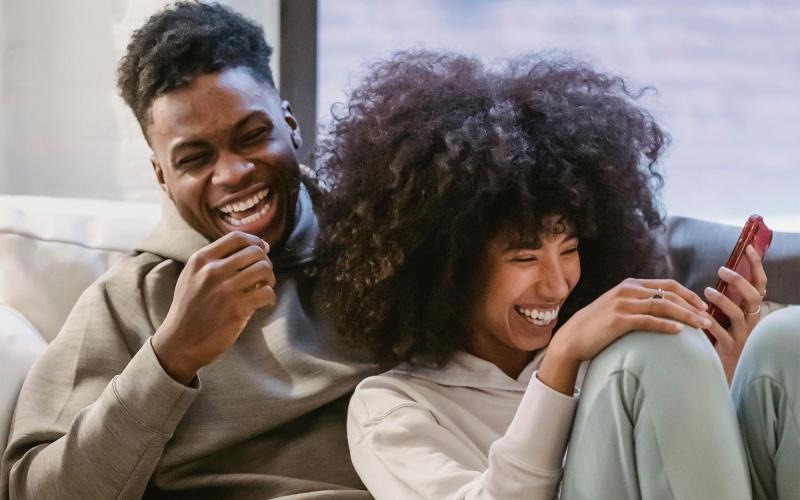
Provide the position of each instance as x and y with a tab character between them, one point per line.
218	291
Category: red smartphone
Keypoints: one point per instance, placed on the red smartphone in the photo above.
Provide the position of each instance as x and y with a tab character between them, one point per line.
755	233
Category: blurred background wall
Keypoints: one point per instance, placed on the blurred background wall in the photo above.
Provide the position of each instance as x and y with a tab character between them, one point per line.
64	130
727	74
3	105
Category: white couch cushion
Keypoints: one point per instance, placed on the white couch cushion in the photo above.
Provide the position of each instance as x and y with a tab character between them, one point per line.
20	345
52	248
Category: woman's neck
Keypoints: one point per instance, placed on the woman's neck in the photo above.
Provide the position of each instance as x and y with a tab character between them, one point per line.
510	361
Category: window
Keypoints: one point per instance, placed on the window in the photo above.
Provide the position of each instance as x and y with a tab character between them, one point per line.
727	76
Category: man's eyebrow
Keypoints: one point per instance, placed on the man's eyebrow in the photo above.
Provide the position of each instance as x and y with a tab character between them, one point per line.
238	126
198	143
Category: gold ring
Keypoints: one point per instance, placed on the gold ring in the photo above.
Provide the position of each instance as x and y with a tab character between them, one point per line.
757	311
659	294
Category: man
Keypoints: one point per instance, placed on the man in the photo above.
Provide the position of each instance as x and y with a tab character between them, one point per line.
198	366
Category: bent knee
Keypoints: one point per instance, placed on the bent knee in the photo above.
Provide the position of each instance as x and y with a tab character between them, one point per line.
774	345
778	332
685	354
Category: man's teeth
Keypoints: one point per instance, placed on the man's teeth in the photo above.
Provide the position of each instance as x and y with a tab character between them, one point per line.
250	218
538	317
241	206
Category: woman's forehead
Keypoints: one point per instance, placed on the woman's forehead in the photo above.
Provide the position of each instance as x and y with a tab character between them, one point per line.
550	228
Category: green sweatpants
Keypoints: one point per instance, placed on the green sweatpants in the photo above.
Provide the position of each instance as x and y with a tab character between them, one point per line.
655	421
766	392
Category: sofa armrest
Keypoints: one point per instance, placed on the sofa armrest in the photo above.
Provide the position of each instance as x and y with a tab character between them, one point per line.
52	248
20	345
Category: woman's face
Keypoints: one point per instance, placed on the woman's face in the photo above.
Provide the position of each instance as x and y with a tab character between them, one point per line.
519	300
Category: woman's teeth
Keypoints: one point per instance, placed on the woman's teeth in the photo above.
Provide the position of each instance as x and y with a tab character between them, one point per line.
536	316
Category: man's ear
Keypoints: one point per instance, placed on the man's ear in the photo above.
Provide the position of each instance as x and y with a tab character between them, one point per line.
294	127
160	175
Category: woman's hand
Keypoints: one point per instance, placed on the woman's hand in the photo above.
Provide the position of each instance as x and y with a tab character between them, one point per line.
744	315
635	304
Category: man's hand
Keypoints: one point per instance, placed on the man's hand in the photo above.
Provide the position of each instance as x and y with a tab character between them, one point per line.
220	288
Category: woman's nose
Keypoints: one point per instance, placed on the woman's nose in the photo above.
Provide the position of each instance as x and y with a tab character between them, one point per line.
552	281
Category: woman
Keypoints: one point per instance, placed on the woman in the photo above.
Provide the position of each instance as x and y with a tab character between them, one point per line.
483	228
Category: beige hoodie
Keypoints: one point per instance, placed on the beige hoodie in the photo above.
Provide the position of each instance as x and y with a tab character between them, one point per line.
99	418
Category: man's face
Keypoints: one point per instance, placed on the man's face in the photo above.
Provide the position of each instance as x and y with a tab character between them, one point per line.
223	153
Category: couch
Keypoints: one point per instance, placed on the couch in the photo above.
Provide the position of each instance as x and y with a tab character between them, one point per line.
51	249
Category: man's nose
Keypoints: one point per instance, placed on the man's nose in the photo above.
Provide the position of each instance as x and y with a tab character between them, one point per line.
232	170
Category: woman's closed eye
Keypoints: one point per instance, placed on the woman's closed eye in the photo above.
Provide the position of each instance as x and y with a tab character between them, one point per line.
570	250
525	258
530	256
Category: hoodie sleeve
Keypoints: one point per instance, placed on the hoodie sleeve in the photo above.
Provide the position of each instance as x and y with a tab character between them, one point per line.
94	413
401	451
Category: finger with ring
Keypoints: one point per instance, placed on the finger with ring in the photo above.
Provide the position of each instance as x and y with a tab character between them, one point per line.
753	313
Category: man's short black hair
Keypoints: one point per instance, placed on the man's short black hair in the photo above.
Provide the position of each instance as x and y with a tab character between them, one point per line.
184	41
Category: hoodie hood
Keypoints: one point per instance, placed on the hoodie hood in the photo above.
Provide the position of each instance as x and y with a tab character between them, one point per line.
468	370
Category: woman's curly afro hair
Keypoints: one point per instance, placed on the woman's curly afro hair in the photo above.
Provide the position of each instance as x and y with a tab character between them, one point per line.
435	154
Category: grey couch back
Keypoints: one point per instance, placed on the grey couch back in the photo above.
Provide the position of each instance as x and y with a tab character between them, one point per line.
697	248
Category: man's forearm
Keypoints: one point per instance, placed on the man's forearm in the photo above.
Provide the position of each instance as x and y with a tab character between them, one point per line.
112	446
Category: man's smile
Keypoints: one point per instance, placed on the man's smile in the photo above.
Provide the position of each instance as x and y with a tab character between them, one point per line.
250	213
249	209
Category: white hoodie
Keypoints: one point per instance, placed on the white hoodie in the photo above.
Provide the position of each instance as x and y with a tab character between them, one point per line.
466	431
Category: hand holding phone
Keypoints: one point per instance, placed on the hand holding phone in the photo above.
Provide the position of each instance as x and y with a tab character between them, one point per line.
759	236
